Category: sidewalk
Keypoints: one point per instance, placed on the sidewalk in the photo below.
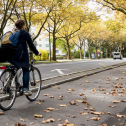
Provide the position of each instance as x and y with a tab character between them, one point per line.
100	97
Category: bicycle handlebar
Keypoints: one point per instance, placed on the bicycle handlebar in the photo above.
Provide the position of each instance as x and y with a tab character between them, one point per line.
30	52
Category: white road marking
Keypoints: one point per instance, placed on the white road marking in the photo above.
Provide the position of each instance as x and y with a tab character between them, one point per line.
58	70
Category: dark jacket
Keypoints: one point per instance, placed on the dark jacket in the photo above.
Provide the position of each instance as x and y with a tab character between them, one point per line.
21	57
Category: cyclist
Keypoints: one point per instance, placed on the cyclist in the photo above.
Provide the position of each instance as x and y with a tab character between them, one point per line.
21	57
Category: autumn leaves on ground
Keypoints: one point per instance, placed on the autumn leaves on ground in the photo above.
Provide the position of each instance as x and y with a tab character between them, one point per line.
97	100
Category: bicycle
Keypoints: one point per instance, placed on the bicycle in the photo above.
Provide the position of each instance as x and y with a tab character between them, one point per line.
11	84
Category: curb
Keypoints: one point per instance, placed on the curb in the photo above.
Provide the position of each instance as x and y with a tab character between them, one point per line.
78	77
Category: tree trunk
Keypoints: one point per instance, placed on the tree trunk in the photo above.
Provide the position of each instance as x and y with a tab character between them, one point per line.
68	47
80	52
54	47
96	52
89	52
110	53
106	53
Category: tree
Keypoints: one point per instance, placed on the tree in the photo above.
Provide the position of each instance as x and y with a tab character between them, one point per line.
78	17
117	5
6	11
79	40
35	12
59	14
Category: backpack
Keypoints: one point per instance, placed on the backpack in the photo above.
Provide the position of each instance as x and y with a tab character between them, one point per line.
9	45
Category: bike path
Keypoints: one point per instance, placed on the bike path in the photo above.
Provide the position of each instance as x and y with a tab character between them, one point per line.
101	90
50	70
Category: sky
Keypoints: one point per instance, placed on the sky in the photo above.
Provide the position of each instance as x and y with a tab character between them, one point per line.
103	13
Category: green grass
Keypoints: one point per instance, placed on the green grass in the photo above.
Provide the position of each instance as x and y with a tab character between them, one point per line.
4	64
41	62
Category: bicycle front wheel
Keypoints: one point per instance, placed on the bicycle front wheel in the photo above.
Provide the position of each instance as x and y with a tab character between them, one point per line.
7	90
35	83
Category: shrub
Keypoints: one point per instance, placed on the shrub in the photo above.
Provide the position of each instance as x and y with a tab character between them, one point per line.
59	57
44	56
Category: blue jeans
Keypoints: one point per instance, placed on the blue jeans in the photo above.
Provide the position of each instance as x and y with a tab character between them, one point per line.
25	79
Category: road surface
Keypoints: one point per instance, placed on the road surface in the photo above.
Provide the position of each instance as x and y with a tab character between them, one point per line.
56	69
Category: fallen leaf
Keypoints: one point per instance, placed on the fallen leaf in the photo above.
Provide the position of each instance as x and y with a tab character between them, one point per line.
50	120
87	81
92	109
70	89
116	86
115	101
21	119
38	116
107	82
1	113
59	119
116	78
67	122
121	116
81	94
63	105
104	124
121	123
98	86
19	124
38	103
60	97
46	94
51	109
123	100
32	123
85	98
95	118
79	101
102	89
51	96
86	103
85	108
97	113
109	113
42	100
113	106
73	102
43	122
74	116
46	111
70	124
83	113
94	89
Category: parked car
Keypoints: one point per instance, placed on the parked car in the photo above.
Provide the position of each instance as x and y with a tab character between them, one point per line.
117	55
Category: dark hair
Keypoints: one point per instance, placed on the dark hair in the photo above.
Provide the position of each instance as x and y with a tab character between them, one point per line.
19	23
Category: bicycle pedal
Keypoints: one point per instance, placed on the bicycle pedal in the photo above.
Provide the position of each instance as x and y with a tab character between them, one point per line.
21	91
33	84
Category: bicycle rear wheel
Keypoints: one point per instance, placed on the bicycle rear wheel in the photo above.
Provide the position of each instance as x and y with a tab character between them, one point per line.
34	84
7	90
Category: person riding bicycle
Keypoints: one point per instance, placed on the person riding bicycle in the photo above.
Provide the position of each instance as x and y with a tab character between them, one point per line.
21	57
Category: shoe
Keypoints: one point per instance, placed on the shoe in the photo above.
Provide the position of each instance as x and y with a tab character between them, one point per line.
28	93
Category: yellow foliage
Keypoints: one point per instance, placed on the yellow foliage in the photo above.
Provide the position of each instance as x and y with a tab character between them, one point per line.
43	57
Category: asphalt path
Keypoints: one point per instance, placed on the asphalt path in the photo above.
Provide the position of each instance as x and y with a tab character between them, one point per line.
49	70
100	92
